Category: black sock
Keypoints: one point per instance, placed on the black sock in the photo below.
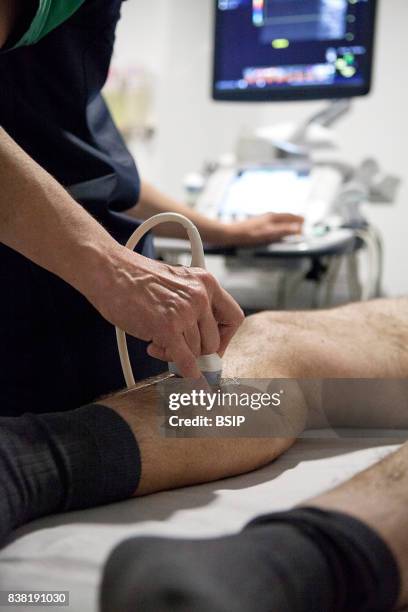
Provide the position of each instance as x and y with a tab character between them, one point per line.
306	560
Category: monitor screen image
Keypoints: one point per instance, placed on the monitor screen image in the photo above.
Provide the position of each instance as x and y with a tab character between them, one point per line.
268	50
256	191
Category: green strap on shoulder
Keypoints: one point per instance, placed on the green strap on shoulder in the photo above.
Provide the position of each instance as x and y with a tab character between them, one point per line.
50	14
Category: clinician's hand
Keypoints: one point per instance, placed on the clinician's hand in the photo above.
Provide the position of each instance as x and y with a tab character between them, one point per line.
182	312
262	229
259	230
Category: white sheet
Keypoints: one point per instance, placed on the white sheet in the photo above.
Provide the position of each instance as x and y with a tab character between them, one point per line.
67	552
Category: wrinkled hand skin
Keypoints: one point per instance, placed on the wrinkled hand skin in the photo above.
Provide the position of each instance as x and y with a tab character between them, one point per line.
182	312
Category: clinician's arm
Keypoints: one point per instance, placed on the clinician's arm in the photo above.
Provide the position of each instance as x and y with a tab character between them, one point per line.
262	229
182	312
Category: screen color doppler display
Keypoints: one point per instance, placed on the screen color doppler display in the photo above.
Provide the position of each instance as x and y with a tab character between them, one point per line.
293	49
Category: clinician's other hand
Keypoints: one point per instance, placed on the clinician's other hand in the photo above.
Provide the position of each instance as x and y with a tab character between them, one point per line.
182	312
262	229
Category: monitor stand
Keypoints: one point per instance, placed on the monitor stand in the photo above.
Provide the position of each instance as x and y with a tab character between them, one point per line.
299	144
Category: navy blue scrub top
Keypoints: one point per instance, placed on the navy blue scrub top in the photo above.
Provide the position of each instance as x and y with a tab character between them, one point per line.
56	351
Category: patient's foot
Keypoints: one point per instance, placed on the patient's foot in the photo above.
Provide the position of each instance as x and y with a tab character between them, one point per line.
304	560
222	575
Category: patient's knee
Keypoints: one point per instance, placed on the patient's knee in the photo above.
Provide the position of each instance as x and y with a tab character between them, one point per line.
266	346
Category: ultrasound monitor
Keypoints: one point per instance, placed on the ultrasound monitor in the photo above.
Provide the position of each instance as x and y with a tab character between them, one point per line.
271	50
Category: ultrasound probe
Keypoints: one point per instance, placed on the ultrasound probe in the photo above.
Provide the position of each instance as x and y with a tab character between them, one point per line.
210	365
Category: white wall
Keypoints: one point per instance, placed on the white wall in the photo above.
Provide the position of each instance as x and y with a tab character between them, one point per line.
173	39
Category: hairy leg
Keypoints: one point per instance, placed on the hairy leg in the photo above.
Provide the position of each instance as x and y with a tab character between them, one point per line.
365	340
169	463
379	498
362	340
324	350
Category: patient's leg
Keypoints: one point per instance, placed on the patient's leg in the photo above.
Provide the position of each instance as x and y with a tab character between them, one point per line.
363	340
176	462
359	341
168	463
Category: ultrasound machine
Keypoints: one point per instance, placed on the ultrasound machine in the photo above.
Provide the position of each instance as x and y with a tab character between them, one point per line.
297	50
